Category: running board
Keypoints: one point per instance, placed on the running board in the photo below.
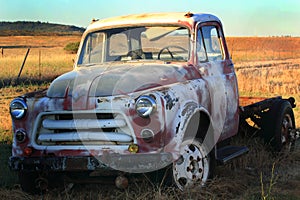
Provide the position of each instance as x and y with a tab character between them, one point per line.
228	153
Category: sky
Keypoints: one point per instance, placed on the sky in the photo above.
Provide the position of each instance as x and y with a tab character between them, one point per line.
239	17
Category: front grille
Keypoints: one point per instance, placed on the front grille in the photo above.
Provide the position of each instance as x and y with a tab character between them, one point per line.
82	128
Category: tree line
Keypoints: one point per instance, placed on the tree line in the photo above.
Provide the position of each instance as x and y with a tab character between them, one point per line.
24	28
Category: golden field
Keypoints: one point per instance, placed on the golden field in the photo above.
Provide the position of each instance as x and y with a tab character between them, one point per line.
269	79
46	60
46	56
263	48
265	67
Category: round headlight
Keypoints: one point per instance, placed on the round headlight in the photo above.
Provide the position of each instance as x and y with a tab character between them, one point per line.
145	105
18	108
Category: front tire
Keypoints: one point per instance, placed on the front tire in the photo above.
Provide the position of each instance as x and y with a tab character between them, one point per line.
194	165
27	182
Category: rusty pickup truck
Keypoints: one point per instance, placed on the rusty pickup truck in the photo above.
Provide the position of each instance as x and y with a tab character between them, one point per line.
148	92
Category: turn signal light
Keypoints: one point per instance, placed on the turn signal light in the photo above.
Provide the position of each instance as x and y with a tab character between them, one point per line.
133	148
28	151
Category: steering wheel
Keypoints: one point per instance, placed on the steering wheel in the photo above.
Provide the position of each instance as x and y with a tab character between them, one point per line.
168	49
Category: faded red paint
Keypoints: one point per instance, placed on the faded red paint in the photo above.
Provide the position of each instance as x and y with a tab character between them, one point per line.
106	92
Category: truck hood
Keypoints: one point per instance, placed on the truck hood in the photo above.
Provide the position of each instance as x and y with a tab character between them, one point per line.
101	80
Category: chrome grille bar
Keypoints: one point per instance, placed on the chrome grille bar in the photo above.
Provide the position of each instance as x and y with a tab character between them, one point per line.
85	136
83	123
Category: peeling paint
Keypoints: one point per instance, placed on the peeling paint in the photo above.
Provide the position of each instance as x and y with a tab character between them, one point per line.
87	118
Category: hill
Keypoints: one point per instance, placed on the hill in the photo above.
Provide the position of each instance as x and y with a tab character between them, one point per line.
25	28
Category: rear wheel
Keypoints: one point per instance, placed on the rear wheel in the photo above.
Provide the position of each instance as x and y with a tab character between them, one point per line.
279	125
194	166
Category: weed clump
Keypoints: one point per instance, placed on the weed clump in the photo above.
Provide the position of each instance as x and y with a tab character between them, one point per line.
72	47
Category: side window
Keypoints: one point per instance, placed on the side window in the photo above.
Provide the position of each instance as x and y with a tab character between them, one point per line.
212	42
118	45
201	53
92	49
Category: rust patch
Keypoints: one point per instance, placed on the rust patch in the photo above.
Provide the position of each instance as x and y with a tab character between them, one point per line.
170	102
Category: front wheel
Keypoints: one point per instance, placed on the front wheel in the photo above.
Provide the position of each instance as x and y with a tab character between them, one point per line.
194	166
27	182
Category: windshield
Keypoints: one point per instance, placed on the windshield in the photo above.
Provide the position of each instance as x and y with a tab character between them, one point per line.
135	43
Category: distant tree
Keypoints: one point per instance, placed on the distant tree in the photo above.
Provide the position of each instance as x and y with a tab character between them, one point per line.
72	47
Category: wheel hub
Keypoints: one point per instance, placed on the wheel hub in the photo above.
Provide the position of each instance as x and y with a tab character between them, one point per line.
192	166
285	130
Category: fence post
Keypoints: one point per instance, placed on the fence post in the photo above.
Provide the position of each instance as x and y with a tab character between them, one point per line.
40	64
21	69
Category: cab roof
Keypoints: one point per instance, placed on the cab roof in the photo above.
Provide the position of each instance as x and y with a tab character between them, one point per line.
187	19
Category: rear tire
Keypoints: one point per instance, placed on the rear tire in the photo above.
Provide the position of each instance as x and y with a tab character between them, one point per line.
278	125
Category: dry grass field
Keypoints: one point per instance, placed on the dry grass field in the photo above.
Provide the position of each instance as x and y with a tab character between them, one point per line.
263	48
265	67
270	78
45	59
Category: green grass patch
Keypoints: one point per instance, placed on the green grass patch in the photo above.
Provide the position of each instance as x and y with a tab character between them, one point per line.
72	47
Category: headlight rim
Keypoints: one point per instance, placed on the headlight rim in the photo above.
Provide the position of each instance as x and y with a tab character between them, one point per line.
153	106
24	134
23	104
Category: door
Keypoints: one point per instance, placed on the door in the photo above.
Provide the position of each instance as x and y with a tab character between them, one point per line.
217	70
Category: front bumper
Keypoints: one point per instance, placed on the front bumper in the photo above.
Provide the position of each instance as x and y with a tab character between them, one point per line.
132	163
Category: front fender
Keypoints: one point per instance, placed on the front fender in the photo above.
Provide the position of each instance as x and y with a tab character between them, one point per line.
191	121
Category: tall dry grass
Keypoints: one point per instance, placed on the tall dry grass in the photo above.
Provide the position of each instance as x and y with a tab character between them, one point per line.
263	48
40	63
37	41
275	77
242	178
46	56
271	78
238	180
263	76
46	60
